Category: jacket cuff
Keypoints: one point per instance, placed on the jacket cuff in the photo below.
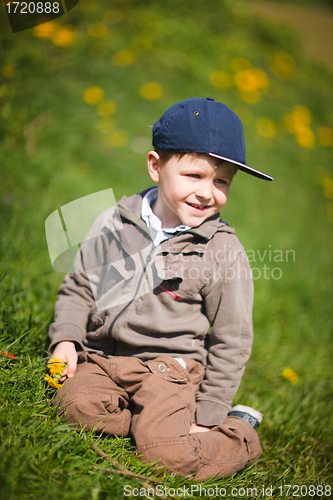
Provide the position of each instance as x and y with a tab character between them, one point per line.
210	413
66	332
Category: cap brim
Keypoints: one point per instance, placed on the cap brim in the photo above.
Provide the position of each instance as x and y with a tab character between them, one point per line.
245	168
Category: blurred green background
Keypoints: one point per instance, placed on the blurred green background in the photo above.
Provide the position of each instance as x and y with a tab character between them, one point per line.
78	97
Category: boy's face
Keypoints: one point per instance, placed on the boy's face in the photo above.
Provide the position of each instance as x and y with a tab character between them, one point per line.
190	189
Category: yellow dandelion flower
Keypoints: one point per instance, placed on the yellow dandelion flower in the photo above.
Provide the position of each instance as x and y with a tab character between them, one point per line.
291	375
328	187
46	30
239	64
152	91
325	135
305	137
123	58
98	30
220	79
119	139
265	127
107	108
56	366
8	70
105	125
298	120
93	95
283	64
65	36
251	80
302	115
330	211
52	382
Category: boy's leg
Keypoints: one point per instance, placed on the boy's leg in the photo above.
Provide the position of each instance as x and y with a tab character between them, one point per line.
227	448
93	400
164	405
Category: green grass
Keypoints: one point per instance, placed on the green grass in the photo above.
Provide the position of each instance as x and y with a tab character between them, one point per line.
182	43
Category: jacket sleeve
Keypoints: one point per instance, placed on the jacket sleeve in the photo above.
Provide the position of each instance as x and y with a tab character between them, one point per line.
75	297
74	302
228	303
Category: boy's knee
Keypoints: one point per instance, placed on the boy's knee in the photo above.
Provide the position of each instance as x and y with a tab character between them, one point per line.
100	412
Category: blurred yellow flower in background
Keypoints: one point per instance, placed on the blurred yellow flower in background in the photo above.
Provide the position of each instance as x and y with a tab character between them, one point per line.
119	139
305	138
265	127
220	79
98	30
325	135
107	108
299	118
8	70
283	64
291	375
298	123
46	30
123	58
64	36
251	83
93	95
152	91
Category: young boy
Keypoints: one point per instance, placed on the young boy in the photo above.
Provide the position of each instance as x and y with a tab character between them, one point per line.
156	272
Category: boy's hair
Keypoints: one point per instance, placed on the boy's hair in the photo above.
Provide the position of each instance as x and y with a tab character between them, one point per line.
166	155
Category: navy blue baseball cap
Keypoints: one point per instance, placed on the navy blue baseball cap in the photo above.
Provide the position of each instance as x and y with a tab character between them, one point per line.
206	126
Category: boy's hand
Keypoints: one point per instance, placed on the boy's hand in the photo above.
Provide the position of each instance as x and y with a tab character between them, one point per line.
198	428
67	353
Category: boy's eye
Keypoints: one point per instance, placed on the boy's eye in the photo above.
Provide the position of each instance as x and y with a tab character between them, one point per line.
194	176
220	181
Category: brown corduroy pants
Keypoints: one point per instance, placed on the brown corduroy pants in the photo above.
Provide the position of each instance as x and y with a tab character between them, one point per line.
154	401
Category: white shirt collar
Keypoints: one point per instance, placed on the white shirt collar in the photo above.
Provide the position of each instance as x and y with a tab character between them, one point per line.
154	222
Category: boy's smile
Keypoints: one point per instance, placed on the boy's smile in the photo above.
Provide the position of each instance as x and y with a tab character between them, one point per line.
190	189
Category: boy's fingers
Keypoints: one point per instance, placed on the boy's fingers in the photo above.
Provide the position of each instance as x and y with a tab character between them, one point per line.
71	367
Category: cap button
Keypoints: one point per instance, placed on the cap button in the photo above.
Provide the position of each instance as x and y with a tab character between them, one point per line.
210	98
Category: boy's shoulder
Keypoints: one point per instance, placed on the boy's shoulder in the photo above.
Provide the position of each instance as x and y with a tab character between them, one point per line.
133	203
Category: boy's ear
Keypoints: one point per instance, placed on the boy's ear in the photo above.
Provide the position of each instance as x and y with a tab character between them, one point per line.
153	163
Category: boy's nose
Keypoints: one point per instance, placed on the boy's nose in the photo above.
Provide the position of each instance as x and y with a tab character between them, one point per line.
204	192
